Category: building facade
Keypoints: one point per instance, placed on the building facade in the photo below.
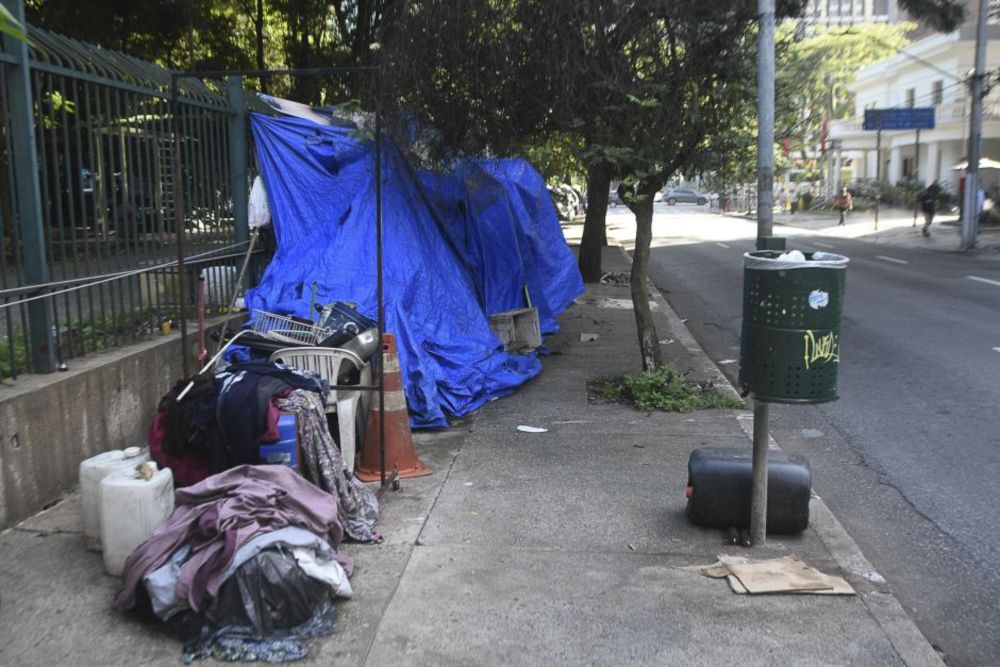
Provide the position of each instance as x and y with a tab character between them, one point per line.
837	13
932	72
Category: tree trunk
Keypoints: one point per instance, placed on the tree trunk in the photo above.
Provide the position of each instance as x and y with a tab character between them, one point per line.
649	343
594	233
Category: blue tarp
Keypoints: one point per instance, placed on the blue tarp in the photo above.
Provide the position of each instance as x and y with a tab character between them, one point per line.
498	215
551	271
321	192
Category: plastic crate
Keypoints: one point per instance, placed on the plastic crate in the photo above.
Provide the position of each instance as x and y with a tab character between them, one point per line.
517	329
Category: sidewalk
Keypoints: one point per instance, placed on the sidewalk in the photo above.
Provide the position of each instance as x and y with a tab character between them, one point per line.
556	548
895	228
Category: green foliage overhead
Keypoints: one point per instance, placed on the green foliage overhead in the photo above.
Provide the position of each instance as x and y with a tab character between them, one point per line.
10	25
814	72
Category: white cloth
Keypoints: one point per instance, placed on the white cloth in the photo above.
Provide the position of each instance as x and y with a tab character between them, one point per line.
258	212
328	571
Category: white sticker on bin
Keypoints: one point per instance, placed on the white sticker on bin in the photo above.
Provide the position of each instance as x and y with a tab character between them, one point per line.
818	299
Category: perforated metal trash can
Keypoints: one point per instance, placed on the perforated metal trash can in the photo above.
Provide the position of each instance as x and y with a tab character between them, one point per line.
790	349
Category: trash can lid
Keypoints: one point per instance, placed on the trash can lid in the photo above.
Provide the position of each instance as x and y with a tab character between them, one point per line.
773	260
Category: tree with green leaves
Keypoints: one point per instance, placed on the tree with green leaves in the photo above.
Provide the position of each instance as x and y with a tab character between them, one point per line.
814	71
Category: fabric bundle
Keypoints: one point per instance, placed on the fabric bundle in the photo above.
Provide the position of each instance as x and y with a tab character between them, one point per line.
246	566
222	420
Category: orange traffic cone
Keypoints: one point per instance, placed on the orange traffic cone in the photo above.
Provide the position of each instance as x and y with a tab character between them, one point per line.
400	454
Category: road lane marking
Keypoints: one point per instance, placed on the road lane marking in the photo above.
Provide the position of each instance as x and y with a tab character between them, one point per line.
823	245
984	280
892	259
722	245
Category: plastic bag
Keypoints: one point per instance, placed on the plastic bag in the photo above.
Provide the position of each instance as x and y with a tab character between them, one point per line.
262	612
258	212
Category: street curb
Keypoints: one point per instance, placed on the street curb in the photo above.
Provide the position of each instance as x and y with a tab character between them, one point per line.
907	640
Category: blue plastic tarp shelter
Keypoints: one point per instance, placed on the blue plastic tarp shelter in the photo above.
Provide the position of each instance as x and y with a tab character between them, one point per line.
499	217
321	191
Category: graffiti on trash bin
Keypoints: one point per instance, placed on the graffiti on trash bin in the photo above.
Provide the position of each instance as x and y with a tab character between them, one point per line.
820	349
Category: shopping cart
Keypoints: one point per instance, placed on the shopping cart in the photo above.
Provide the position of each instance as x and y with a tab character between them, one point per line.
287	329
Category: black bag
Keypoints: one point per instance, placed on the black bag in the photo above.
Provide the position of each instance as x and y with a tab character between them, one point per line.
719	489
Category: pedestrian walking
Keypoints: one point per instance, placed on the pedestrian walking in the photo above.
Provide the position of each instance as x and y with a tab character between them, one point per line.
843	203
928	204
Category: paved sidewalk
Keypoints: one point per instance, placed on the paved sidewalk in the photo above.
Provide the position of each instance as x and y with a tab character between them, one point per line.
556	548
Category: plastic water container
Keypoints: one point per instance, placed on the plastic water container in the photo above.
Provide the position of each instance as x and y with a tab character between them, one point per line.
92	471
131	509
285	450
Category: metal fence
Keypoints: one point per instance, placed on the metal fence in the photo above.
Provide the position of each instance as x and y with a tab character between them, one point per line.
88	235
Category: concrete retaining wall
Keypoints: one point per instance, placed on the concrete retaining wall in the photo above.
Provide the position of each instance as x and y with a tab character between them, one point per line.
49	423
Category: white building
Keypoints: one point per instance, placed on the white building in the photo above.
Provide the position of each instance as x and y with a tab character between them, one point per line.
837	13
929	73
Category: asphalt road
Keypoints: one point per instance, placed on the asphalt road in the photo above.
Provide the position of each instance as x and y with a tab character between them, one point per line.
909	457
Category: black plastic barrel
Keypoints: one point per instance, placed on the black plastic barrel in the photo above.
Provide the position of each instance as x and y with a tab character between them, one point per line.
790	347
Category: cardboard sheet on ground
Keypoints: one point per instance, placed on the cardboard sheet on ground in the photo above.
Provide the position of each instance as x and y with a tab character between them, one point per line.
321	186
774	575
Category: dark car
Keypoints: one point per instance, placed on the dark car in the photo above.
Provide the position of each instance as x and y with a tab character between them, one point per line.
684	196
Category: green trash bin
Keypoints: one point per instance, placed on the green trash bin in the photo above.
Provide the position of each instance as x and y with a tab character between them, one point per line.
790	350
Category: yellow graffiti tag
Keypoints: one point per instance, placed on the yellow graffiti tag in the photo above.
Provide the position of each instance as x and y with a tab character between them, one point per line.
823	348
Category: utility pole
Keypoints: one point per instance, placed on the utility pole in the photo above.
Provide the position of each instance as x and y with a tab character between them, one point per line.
765	225
970	219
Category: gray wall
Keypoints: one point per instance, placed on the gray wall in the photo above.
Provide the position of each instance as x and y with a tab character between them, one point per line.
49	423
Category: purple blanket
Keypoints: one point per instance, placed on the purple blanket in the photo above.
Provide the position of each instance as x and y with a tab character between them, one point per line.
222	513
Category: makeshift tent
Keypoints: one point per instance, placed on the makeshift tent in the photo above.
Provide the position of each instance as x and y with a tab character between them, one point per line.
499	217
553	277
321	191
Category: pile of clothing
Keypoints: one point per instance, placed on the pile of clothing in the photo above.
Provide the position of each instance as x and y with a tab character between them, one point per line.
223	418
246	568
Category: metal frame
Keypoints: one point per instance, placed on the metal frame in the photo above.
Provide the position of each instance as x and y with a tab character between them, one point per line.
376	76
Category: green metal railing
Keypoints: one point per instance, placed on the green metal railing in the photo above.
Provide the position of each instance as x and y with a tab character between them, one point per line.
88	235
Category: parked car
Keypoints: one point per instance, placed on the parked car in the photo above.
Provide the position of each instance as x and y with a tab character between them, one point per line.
685	196
614	199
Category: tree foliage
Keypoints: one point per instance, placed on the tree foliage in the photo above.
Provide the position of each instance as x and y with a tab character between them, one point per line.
814	72
229	34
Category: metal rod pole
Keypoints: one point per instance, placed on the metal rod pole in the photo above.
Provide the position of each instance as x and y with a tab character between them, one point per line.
758	502
916	177
378	260
878	171
178	186
765	225
970	217
765	120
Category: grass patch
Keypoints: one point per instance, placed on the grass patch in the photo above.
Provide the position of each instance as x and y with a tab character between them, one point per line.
664	389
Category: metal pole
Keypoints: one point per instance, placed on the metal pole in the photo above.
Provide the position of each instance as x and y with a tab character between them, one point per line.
916	176
178	186
42	348
765	120
970	218
238	158
378	263
765	224
758	502
878	171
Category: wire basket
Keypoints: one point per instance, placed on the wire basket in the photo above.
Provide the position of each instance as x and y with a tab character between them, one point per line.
286	329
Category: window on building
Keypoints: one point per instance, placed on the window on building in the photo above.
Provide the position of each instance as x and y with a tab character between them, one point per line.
909	168
911	95
937	92
880	7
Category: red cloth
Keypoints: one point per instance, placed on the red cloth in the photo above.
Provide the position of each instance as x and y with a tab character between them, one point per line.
187	470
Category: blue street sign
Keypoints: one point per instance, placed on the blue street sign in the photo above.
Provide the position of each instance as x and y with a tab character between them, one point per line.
921	118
